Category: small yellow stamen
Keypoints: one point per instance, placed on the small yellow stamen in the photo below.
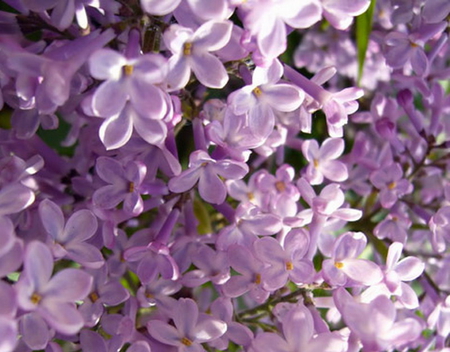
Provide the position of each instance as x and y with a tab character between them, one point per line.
413	45
131	187
289	266
316	163
35	298
185	341
149	295
280	186
257	279
339	265
187	49
257	91
94	297
392	185
128	70
250	196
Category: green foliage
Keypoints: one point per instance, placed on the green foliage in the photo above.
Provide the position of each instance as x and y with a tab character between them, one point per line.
363	30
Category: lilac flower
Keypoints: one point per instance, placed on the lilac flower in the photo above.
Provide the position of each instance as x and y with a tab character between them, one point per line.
138	102
52	298
264	97
267	22
391	184
206	171
191	327
54	71
336	106
212	266
222	308
322	161
299	335
125	184
345	265
396	272
285	262
69	240
105	291
375	323
439	225
191	51
403	48
250	280
249	223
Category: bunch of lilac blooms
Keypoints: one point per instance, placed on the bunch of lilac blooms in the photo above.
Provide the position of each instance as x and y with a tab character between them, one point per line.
224	175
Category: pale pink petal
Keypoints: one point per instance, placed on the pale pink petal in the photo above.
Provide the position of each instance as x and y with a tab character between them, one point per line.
158	7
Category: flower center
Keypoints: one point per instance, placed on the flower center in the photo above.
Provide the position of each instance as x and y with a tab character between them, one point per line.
128	70
185	341
316	163
36	298
94	297
392	185
289	266
339	265
257	279
280	186
257	92
187	49
131	187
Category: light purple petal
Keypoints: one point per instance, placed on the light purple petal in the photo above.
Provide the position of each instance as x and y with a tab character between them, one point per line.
293	319
211	187
362	271
179	72
272	38
208	328
349	245
103	105
236	286
52	218
68	285
283	97
231	169
419	61
80	226
409	268
38	264
158	7
116	130
152	131
63	317
269	250
261	120
186	180
212	35
108	197
109	170
209	70
334	170
14	198
7	238
147	100
331	148
35	331
185	316
85	254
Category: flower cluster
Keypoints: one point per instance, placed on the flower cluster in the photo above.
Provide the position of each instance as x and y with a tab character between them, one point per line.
224	175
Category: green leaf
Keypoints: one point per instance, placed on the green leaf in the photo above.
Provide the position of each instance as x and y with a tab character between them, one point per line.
202	215
363	29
